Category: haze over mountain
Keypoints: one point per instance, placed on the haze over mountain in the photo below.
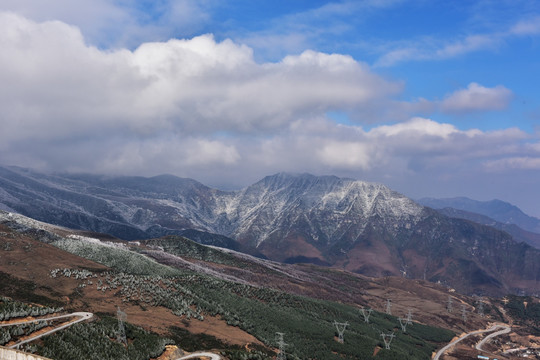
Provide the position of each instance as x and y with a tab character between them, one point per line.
498	210
359	226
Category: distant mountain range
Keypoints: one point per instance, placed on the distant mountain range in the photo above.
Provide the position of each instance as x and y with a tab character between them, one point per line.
359	226
500	211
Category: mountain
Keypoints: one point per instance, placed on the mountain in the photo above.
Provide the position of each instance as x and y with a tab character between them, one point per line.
498	210
358	226
201	298
517	233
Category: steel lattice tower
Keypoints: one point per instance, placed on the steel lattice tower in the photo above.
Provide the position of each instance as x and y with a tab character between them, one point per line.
366	313
387	338
281	345
389	306
409	317
121	332
340	329
449	304
403	322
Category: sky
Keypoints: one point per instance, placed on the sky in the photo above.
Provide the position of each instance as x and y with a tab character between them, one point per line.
431	98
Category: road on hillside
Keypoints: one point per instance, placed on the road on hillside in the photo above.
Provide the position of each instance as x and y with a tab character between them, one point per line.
200	354
505	330
79	314
82	316
472	333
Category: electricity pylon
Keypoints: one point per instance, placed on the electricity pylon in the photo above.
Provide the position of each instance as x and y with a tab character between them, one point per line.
121	332
387	338
403	322
409	317
389	306
449	304
366	313
480	302
281	345
340	329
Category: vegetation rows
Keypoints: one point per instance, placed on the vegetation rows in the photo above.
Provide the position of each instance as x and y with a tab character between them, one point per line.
306	322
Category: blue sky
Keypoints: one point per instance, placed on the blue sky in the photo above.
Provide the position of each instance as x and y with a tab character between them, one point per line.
432	98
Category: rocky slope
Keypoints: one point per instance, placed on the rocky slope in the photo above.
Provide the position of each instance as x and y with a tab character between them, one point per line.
362	227
515	231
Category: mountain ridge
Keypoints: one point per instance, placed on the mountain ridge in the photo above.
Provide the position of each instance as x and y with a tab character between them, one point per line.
501	211
358	226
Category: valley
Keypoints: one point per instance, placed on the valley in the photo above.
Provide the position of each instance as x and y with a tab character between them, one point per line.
206	270
172	285
361	227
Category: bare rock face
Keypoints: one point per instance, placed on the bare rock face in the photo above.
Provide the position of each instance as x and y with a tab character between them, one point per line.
326	220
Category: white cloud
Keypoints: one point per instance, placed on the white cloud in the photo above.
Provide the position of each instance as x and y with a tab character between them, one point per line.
415	127
115	24
431	48
527	27
477	98
59	86
343	154
206	109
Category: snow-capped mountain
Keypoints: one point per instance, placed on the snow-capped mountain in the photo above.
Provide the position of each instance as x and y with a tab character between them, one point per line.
359	226
326	208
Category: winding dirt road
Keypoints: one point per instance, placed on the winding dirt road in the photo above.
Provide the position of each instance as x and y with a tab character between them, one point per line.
506	329
82	316
200	354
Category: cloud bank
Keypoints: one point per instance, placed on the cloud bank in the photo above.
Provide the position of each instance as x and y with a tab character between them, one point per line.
206	109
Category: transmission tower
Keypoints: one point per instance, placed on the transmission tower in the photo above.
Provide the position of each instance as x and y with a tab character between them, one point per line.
464	312
480	302
387	338
340	329
449	304
389	306
403	322
409	317
121	332
366	313
281	345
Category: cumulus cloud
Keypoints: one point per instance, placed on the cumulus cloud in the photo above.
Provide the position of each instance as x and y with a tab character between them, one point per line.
477	98
59	86
206	109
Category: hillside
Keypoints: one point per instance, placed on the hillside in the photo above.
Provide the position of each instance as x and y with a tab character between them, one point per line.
515	231
500	211
294	218
220	293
